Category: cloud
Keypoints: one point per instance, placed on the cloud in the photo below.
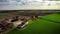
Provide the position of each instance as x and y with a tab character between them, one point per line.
24	4
3	0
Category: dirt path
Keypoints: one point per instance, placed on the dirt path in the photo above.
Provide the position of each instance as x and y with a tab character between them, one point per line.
19	22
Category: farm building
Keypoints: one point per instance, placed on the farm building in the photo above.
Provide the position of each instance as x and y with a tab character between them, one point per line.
30	21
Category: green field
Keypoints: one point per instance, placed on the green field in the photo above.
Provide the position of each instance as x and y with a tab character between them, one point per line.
46	25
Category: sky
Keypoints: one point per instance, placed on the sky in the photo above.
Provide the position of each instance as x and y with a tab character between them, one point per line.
3	1
9	0
28	4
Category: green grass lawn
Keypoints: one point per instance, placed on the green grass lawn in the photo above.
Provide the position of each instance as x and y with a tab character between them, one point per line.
54	17
40	26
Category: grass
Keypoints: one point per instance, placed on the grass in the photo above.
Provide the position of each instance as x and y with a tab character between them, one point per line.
54	17
40	26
